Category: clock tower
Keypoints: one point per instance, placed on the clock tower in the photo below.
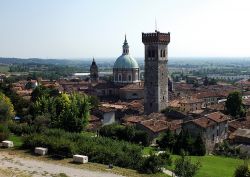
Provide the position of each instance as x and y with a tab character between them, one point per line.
155	71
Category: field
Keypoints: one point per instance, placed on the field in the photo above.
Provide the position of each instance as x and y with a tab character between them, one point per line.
4	69
215	166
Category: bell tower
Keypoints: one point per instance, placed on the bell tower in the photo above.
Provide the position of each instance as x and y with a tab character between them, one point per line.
94	72
155	71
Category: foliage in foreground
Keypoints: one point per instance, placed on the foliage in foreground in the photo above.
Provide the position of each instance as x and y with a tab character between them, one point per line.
4	132
242	171
183	141
127	133
98	149
185	168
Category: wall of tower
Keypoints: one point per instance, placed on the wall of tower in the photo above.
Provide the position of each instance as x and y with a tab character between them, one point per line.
156	72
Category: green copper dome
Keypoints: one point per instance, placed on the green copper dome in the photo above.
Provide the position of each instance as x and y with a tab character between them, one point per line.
125	62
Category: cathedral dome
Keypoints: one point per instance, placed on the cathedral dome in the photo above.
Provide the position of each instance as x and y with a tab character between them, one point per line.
125	61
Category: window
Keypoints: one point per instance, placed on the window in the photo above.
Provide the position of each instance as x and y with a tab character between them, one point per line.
120	77
163	97
161	53
149	53
129	78
151	104
153	54
164	53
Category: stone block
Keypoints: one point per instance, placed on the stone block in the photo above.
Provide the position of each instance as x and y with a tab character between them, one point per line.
80	158
41	150
7	144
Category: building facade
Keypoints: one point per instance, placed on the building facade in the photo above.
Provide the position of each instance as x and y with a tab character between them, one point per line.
156	74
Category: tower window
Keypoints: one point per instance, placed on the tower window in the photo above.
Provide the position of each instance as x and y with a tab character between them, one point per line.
151	104
153	53
163	97
164	53
149	53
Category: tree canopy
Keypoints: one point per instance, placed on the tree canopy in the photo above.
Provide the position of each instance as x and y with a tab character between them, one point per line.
6	108
234	104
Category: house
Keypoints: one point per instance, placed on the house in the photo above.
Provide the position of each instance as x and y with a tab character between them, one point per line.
190	104
155	127
106	115
212	127
241	136
154	124
210	97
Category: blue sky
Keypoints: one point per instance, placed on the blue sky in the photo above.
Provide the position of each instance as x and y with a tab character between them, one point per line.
82	29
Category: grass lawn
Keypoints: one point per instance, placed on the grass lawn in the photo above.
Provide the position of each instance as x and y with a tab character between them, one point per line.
17	140
215	166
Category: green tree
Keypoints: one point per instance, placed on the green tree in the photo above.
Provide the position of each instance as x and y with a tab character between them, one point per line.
152	164
167	140
234	104
242	171
199	146
185	168
6	108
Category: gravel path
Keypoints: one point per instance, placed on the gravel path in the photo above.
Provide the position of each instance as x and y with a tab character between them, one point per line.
37	168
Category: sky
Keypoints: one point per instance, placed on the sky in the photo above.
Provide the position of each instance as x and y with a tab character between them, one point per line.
96	28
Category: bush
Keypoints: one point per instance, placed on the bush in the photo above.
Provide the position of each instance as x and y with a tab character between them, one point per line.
21	129
185	168
4	132
242	171
127	133
154	163
98	149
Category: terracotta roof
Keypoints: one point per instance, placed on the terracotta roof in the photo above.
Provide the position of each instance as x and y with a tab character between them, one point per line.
157	125
243	123
93	118
242	133
217	117
106	109
191	101
208	94
203	122
218	107
134	119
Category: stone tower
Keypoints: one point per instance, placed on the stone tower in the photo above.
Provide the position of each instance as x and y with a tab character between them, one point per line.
156	73
94	77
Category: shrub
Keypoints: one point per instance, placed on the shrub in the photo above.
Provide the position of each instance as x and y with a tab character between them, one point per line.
98	149
4	132
21	129
127	133
152	164
242	171
185	168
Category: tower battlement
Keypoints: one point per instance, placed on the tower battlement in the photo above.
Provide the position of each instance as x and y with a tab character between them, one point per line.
157	38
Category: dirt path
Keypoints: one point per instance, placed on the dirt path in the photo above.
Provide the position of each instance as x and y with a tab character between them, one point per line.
20	166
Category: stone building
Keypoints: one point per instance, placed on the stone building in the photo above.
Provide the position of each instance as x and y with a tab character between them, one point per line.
126	69
156	74
212	127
